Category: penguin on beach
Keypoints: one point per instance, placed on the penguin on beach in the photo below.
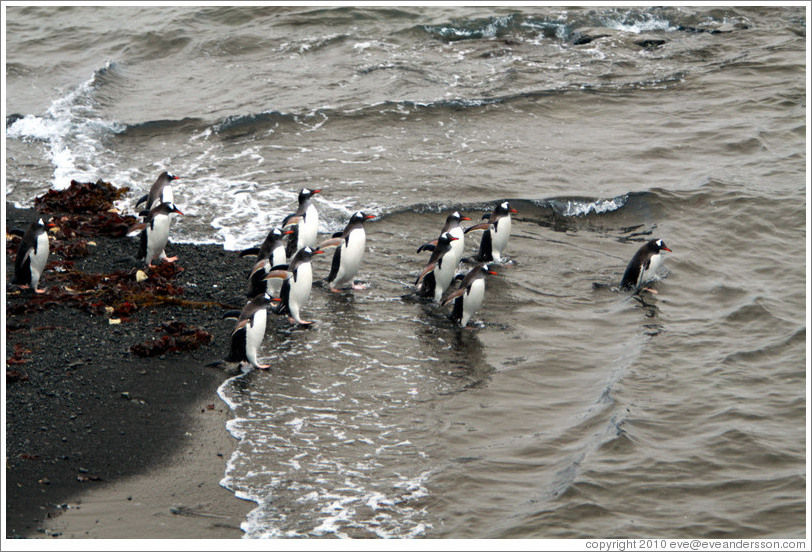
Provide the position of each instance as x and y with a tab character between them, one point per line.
306	219
270	254
160	192
249	331
155	233
297	284
32	256
497	231
643	266
469	296
452	226
438	273
349	246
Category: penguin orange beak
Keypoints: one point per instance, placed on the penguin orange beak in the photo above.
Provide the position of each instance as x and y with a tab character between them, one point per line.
666	249
318	251
465	218
174	177
368	217
177	211
287	232
454	239
492	272
514	211
317	191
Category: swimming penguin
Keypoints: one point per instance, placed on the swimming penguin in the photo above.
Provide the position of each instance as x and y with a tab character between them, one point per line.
452	226
155	234
644	265
249	331
306	219
497	232
349	246
32	255
437	275
271	253
160	192
468	298
297	285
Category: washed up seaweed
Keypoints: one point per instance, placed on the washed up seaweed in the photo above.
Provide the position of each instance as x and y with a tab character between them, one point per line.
178	337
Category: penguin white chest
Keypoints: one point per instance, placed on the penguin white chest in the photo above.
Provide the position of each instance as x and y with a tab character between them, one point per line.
39	259
309	227
157	237
648	274
351	252
254	334
300	285
472	300
499	237
274	285
443	274
457	246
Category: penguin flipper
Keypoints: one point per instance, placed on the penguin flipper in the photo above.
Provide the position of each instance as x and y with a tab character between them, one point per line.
231	314
249	251
260	265
22	270
142	245
142	200
456	312
16	232
335	265
335	241
293	241
237	350
430	246
480	226
453	295
485	248
429	268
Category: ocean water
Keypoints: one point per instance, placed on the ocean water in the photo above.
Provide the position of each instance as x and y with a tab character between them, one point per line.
566	410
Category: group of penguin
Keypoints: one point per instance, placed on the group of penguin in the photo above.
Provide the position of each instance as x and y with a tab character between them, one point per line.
281	278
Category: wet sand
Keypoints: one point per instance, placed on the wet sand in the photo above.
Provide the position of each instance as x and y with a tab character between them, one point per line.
102	443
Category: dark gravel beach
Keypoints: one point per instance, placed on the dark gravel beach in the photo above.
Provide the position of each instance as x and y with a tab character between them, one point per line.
82	409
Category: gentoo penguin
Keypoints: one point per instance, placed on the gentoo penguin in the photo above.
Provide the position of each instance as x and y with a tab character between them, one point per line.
306	219
155	234
468	297
160	192
271	253
644	265
437	275
497	232
452	226
32	255
349	246
249	331
297	285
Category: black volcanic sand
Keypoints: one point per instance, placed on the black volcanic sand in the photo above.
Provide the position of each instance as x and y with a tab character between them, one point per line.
83	411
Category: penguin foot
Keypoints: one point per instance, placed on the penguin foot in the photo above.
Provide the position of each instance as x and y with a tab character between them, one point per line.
263	366
300	322
40	291
650	290
360	287
335	290
171	259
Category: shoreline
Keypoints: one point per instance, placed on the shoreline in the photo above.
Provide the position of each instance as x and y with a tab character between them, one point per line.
100	442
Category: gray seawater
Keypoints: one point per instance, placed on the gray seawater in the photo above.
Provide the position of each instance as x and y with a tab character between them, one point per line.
567	410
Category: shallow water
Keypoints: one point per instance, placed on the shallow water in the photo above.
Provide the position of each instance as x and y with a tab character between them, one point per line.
567	409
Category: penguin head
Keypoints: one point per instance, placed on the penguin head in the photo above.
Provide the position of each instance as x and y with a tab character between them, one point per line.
305	194
307	252
360	216
455	217
174	209
487	269
504	208
658	245
445	239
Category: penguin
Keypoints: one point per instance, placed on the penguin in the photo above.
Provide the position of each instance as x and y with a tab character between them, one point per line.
438	273
468	297
160	192
497	232
32	255
155	233
249	331
297	284
271	253
306	219
452	226
349	246
644	265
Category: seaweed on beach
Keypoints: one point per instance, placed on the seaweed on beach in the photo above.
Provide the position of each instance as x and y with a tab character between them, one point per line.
179	337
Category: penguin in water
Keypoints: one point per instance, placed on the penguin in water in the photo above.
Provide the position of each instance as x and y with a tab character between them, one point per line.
249	331
468	297
155	233
452	226
438	273
160	192
297	284
643	266
32	255
349	246
306	219
270	254
497	231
